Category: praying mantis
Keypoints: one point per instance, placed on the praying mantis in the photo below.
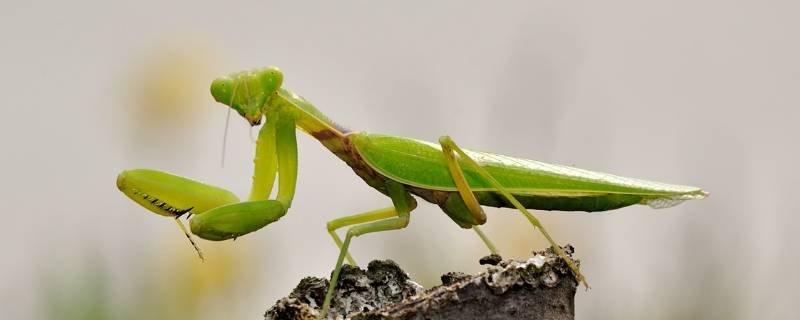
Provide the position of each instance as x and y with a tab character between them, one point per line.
458	180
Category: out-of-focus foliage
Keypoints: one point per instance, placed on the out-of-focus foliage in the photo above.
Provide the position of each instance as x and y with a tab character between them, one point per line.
171	286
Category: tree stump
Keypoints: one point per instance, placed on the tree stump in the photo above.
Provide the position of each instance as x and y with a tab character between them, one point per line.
541	287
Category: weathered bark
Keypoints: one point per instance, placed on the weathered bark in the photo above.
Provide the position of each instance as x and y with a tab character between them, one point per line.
541	287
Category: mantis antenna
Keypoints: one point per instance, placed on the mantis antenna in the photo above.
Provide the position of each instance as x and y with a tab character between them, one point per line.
225	139
227	123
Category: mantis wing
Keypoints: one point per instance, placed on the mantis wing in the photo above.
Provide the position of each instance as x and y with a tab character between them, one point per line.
422	164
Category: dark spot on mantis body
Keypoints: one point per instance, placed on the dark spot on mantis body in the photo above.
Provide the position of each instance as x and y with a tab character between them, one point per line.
324	134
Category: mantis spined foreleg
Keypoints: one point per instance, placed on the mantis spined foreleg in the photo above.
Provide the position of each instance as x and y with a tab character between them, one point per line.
216	213
278	154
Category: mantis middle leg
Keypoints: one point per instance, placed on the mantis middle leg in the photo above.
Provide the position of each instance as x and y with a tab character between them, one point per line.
449	147
357	219
403	204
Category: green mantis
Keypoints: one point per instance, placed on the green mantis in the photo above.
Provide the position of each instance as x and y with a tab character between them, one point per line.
459	181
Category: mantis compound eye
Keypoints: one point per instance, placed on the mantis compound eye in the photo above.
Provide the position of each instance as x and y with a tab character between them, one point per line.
222	90
271	79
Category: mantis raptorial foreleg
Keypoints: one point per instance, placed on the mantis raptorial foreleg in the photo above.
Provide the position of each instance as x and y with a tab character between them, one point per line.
216	214
189	236
448	146
173	196
286	146
276	150
265	161
403	204
357	219
237	219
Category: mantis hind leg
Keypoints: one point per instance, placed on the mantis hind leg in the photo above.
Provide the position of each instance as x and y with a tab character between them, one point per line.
486	240
467	198
449	146
403	204
357	219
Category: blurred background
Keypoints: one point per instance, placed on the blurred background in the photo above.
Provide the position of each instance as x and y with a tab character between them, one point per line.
700	93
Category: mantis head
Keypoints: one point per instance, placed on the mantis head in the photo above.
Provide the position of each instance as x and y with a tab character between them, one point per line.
248	92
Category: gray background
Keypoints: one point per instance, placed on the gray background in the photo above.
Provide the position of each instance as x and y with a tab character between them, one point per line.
692	92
